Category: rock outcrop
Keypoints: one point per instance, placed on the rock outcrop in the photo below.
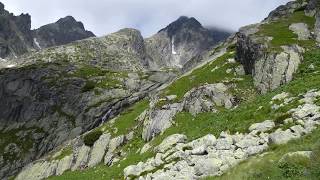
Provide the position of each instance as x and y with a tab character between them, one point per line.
208	98
271	66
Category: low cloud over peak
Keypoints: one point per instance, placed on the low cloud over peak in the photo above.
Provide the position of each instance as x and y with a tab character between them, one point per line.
103	17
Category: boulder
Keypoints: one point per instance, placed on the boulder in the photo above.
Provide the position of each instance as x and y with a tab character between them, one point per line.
159	120
224	143
208	167
98	150
301	29
206	98
281	137
305	111
262	127
171	141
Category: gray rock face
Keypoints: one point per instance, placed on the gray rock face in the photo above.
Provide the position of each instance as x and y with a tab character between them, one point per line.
98	150
206	98
269	70
159	120
284	10
64	31
82	156
15	33
170	47
301	29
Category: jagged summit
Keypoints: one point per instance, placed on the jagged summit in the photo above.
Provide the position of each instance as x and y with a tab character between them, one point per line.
63	31
182	22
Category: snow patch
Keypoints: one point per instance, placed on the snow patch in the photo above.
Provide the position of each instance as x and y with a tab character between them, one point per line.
36	43
172	47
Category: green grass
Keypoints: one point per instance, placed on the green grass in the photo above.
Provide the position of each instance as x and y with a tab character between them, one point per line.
126	121
269	167
281	33
240	119
205	74
64	152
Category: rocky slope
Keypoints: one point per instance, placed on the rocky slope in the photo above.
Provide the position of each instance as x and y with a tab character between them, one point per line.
55	94
212	118
17	38
260	88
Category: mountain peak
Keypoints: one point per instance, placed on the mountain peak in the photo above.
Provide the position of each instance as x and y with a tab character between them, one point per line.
181	23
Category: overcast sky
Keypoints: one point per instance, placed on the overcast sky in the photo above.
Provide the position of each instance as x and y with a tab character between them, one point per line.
149	16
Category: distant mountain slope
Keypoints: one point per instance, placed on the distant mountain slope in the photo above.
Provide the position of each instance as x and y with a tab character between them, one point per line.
181	41
64	31
16	36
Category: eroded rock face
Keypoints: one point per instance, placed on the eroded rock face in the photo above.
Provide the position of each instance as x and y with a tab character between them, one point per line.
269	69
159	120
15	33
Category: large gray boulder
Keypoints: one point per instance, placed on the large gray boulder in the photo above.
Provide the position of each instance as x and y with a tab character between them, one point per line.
208	167
207	98
64	165
262	127
171	141
301	29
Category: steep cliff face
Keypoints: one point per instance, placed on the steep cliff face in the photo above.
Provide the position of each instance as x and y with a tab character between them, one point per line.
17	38
179	42
15	33
64	31
273	56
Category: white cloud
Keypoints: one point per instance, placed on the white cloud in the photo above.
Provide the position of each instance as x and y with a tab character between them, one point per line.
149	16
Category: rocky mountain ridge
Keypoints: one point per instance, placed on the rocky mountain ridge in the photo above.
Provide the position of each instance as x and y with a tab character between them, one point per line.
17	37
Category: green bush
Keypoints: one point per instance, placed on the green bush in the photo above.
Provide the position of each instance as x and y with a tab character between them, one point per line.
90	85
90	138
294	166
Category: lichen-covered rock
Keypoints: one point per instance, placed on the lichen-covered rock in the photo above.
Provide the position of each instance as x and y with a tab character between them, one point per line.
38	171
262	127
301	29
206	167
64	165
82	157
98	150
207	98
171	141
159	120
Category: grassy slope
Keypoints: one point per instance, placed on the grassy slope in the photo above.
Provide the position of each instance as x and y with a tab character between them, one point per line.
237	120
